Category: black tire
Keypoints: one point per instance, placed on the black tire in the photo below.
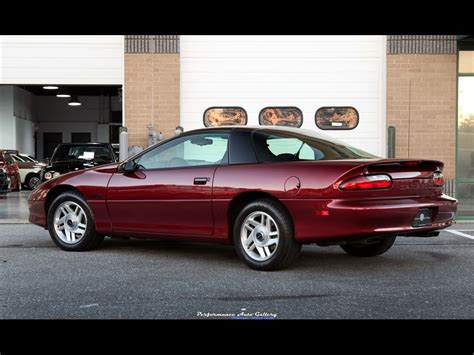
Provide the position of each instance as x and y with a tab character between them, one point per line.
32	181
372	249
288	248
91	238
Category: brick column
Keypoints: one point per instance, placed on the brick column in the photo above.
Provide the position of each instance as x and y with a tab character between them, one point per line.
151	88
421	103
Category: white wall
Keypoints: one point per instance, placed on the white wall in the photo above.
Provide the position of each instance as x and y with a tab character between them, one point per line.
304	71
61	59
7	120
25	136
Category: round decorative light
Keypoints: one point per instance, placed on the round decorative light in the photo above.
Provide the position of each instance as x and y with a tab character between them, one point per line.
48	175
51	87
56	174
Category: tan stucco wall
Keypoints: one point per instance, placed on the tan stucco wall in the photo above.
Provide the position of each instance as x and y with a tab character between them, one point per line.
421	88
151	94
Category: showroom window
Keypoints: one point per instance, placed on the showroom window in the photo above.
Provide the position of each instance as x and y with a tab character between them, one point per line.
337	118
225	116
281	116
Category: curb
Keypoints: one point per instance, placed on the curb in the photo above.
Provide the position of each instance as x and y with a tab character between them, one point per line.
14	221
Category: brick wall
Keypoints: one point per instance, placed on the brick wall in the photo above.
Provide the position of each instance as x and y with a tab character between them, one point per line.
151	94
421	104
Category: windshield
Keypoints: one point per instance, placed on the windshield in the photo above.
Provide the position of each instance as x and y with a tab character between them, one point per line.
28	158
18	159
275	146
82	152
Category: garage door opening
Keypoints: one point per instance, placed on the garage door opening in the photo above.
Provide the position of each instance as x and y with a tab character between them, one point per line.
35	118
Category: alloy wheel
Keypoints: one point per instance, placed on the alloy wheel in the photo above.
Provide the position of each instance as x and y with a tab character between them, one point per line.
70	222
259	236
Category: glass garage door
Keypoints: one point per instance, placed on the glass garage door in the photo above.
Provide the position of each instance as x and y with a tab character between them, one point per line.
465	136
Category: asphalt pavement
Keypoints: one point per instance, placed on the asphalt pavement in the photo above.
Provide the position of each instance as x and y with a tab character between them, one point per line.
418	278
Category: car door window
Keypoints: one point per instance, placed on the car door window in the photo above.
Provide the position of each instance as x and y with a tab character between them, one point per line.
194	150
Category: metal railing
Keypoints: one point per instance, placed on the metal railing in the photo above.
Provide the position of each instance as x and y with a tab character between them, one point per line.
422	44
450	187
166	44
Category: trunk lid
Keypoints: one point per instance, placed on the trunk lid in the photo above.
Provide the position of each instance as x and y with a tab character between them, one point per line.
410	177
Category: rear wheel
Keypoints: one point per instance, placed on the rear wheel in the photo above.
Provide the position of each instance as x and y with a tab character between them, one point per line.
71	223
264	237
372	248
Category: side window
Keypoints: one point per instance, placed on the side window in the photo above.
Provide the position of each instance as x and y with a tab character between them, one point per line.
194	150
337	118
282	148
225	116
281	116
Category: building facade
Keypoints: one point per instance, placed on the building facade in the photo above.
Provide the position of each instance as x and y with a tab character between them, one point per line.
397	96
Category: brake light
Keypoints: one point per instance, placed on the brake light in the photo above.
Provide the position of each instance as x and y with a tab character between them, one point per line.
367	182
438	179
410	163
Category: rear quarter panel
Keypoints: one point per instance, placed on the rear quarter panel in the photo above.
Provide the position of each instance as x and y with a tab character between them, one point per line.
316	179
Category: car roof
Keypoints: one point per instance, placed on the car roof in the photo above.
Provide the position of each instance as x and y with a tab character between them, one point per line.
84	143
252	128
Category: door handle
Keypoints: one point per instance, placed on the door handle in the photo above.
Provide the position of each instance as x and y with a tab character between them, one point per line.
201	180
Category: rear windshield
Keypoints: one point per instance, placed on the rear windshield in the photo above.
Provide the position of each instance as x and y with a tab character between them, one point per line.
274	146
82	152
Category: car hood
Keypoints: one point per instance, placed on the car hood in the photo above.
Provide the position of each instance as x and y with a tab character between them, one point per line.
68	166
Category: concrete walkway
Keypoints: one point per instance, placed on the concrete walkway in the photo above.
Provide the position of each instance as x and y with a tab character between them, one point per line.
14	207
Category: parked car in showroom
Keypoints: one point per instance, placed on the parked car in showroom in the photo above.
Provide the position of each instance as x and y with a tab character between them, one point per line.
4	180
69	157
30	158
265	190
30	171
11	169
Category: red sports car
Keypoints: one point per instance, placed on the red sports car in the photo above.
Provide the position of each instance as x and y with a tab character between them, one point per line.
10	169
267	190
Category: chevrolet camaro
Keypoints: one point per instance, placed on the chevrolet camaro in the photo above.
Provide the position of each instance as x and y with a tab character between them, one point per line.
266	190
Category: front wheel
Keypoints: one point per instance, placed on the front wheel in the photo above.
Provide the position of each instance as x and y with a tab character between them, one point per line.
373	248
264	237
71	223
32	181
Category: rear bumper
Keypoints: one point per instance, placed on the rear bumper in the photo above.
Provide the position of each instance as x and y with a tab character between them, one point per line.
354	218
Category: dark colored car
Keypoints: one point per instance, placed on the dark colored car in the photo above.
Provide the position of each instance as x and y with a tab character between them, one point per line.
116	148
69	157
4	180
265	190
9	167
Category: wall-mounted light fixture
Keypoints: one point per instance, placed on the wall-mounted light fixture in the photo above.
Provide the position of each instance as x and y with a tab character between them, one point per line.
74	101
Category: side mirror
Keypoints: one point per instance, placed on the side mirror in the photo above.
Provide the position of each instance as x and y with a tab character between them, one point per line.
45	161
129	166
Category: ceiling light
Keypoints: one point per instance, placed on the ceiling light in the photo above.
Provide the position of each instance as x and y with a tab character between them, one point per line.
74	101
50	87
62	93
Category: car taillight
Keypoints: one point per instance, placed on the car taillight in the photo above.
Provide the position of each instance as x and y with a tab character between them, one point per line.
367	182
438	179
